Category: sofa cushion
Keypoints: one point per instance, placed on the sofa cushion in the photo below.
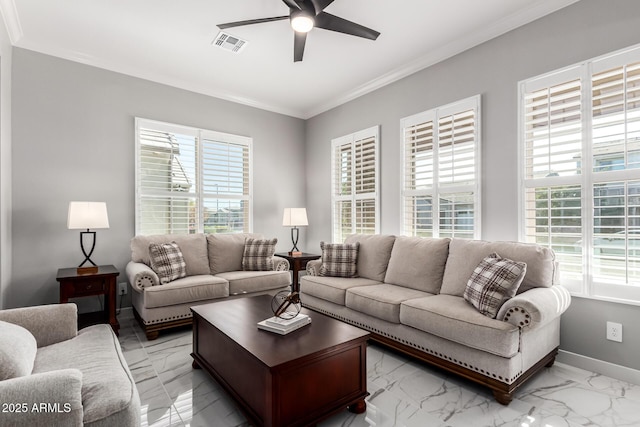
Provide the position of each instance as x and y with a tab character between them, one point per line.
381	301
452	318
374	251
418	263
465	255
108	388
339	259
331	288
17	351
193	247
258	254
246	282
226	250
493	282
167	261
187	289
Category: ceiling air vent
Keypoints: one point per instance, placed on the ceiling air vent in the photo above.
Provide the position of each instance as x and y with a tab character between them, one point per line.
228	42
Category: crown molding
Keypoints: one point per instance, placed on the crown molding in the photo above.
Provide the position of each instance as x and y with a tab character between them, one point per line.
155	77
511	22
522	17
11	20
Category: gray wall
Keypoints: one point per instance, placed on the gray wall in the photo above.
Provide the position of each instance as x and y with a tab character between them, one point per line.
73	139
5	160
584	30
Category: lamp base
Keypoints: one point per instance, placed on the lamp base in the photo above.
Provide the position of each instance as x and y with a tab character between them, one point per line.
87	270
295	253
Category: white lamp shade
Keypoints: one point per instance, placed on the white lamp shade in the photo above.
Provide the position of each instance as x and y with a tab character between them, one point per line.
86	215
294	217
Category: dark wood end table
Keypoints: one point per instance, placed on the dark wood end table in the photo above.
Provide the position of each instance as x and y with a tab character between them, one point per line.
289	380
74	285
297	263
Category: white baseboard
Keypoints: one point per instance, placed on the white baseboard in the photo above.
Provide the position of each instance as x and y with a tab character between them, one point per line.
612	370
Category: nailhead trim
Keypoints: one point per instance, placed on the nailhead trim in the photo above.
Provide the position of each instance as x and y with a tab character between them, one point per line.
419	347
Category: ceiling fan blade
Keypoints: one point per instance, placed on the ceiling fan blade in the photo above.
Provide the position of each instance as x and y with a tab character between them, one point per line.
251	21
292	4
298	46
320	5
330	22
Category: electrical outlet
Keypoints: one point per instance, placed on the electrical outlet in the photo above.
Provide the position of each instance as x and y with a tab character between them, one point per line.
614	331
122	288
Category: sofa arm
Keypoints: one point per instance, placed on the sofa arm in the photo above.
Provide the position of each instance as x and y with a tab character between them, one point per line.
141	276
280	264
535	307
49	398
313	267
49	324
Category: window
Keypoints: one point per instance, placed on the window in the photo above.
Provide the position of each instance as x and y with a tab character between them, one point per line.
580	168
441	171
191	180
354	171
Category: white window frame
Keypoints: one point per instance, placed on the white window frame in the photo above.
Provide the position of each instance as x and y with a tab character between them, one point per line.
586	286
350	140
434	115
200	135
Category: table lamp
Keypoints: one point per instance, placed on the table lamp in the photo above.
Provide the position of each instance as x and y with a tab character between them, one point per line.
295	217
87	215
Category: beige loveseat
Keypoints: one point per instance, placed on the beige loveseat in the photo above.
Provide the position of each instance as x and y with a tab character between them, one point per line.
409	295
51	374
213	268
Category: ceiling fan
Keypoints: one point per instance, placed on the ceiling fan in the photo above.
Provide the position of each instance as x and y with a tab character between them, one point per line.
305	15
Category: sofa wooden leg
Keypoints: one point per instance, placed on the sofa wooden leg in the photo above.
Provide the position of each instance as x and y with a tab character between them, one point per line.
502	397
550	362
359	407
152	335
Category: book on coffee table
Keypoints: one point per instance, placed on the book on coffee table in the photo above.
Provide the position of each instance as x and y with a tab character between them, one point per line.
284	326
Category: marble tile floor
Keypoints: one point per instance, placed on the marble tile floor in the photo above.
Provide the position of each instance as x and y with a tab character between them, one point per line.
403	393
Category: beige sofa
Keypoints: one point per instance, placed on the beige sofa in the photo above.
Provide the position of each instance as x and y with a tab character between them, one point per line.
51	374
409	295
214	270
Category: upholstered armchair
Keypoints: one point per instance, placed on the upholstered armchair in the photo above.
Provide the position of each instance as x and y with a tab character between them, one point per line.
51	374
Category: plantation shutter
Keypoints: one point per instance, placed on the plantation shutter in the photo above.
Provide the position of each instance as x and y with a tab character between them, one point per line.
166	181
226	185
419	155
441	171
190	180
553	138
355	184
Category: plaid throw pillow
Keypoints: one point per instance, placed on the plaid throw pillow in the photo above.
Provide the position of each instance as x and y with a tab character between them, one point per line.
167	261
258	254
339	259
493	282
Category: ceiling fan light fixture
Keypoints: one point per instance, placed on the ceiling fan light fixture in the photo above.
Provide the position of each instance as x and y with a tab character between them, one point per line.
302	21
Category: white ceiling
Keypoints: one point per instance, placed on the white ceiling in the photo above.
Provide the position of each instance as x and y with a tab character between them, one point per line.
169	41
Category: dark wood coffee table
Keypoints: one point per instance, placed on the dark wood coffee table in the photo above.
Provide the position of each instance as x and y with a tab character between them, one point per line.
296	379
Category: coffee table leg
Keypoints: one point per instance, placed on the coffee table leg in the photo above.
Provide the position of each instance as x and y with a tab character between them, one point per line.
195	365
359	407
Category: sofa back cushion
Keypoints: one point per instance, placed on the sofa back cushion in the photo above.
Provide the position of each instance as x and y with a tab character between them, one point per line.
465	255
418	263
226	250
17	351
192	246
374	251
